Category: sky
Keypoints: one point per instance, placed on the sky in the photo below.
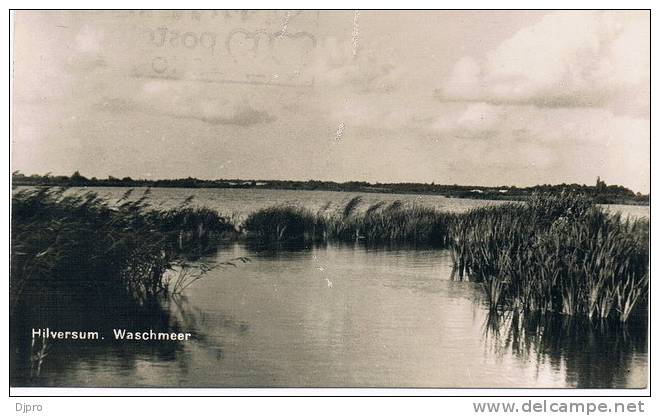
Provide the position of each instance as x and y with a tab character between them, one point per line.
451	97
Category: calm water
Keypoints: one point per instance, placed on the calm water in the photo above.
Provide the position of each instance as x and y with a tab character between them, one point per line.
341	316
331	316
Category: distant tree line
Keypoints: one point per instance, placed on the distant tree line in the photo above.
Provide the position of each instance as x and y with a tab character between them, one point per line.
600	192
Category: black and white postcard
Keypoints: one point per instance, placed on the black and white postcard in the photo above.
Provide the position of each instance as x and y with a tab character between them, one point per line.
444	199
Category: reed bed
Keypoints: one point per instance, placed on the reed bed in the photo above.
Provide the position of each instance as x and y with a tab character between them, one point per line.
393	223
378	223
283	223
553	254
85	246
556	254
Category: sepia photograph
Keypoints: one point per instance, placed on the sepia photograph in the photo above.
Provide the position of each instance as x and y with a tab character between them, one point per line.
419	199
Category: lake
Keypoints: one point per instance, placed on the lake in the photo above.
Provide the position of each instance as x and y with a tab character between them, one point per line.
240	202
342	315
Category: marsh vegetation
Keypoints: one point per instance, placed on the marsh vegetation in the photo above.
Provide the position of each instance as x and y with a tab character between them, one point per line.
553	253
127	251
92	262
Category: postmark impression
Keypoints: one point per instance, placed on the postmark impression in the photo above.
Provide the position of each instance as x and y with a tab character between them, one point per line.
252	47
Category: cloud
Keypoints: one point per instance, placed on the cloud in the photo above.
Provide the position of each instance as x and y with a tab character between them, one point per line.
181	100
576	142
568	59
237	115
476	121
567	97
510	123
335	66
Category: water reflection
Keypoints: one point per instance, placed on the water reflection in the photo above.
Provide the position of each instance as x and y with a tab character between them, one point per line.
47	362
591	354
391	317
280	250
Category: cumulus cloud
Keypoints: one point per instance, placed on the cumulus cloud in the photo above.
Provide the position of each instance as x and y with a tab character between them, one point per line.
568	59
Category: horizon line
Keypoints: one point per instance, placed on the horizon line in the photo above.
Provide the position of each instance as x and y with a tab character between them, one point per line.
433	183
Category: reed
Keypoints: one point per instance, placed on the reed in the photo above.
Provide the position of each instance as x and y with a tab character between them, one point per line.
393	223
85	246
283	223
193	228
555	254
378	223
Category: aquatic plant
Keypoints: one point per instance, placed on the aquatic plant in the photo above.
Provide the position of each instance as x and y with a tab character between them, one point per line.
396	222
185	273
555	253
378	223
552	254
191	227
351	206
283	223
82	244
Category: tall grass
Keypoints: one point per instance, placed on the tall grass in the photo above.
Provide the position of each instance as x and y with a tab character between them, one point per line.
395	222
283	223
555	254
84	246
378	223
